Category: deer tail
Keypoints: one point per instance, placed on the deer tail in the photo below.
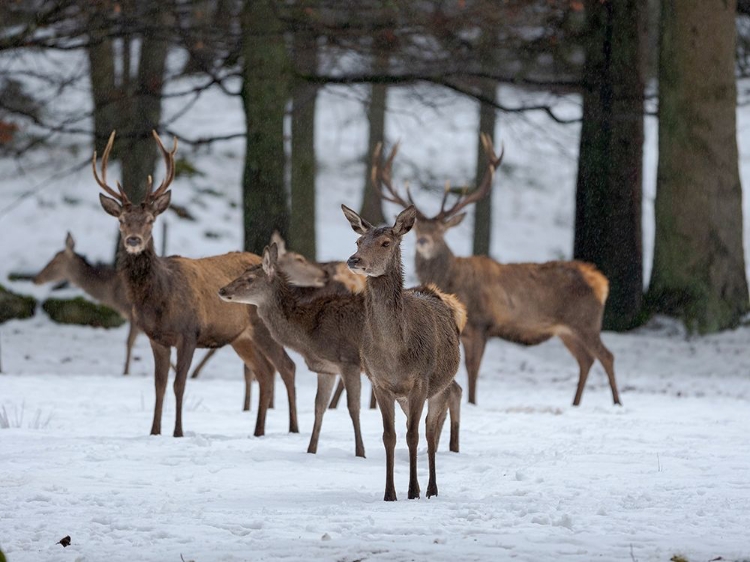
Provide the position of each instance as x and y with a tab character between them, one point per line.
457	308
595	279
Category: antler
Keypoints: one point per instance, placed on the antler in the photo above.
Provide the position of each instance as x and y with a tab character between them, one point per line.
484	187
381	176
169	161
121	197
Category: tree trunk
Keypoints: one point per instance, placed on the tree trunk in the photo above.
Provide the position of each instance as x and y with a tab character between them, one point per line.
265	89
483	208
104	92
145	115
372	206
302	227
609	185
699	265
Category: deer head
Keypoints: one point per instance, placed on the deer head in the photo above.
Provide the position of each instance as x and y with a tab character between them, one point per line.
299	271
253	286
136	220
431	231
58	267
378	249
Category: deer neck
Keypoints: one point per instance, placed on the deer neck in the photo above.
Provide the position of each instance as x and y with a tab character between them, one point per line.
96	281
282	312
144	274
384	302
437	268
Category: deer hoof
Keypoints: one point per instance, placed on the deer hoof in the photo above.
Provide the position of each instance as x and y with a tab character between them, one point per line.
432	490
414	493
390	496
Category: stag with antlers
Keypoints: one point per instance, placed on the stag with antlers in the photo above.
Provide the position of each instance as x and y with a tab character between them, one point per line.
175	302
525	303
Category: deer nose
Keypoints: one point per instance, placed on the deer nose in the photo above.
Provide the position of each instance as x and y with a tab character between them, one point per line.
353	261
422	240
133	240
224	293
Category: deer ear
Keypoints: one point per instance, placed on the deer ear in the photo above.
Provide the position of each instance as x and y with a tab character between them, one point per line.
161	203
111	206
270	256
405	221
279	241
70	244
360	225
454	220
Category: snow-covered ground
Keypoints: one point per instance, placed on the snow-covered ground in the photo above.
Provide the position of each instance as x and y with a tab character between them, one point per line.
536	479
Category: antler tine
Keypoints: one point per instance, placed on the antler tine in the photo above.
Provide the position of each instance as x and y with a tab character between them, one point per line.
446	191
121	197
169	161
484	187
382	177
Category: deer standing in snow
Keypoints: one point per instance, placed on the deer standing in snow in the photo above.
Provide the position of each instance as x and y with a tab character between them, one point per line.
102	283
325	330
175	302
525	303
410	344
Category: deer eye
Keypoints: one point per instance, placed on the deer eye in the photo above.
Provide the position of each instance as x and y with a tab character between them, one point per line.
385	244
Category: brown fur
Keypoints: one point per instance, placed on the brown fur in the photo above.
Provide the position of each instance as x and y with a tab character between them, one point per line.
175	302
409	345
525	303
326	330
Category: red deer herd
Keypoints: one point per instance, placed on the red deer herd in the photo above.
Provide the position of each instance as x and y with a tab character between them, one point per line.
343	318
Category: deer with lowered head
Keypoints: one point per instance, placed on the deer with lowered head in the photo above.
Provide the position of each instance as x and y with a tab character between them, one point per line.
325	330
525	303
410	344
102	283
174	299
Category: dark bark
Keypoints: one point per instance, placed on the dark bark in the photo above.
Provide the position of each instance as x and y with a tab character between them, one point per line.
145	114
609	185
265	89
372	206
483	208
699	265
302	223
104	91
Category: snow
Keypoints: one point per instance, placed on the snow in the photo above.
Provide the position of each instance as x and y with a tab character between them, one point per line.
536	479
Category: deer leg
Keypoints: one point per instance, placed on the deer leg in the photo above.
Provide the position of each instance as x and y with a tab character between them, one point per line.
607	360
281	361
199	367
325	386
132	334
454	406
185	351
337	395
247	351
584	358
474	343
353	382
386	401
417	398
161	375
249	376
437	410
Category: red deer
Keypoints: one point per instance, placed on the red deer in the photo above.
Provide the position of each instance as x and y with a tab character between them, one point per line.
525	303
313	279
102	283
410	344
99	281
174	299
326	330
